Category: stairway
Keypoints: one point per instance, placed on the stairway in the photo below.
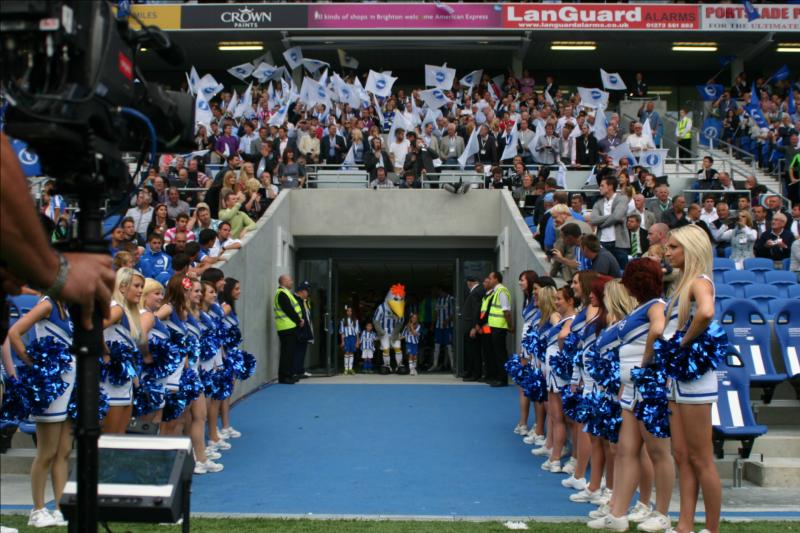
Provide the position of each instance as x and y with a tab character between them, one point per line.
740	169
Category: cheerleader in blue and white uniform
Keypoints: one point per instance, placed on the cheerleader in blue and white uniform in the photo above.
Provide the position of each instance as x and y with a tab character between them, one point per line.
555	335
536	435
172	423
160	365
526	282
211	315
411	336
122	334
691	309
51	325
229	296
638	331
595	325
549	317
348	338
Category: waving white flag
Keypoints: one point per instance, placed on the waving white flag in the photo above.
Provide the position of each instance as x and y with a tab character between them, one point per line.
469	150
293	57
263	72
593	97
439	77
434	98
400	122
600	127
472	79
612	81
347	61
277	119
202	111
313	65
647	132
194	81
561	175
245	105
209	86
241	71
654	160
231	107
378	110
620	151
510	150
380	84
312	93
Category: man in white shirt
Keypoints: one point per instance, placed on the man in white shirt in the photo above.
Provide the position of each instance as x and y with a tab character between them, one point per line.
246	146
637	142
646	218
398	149
224	242
709	212
142	214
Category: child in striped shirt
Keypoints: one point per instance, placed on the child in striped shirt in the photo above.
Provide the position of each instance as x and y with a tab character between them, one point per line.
348	334
411	336
367	345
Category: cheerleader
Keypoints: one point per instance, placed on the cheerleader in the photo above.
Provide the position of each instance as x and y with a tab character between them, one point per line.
152	311
211	315
231	292
367	344
526	280
585	315
122	333
691	309
217	311
51	324
196	410
637	332
593	492
549	317
536	435
411	336
348	338
555	335
177	312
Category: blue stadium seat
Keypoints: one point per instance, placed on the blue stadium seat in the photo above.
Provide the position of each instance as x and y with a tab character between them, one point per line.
723	291
773	306
723	264
759	266
787	331
726	252
786	263
782	279
761	293
749	332
731	416
794	291
738	279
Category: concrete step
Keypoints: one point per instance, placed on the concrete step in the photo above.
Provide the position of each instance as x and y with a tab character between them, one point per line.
779	441
774	472
777	413
19	461
22	440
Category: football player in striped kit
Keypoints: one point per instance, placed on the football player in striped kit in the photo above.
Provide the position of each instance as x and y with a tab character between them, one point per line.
388	322
348	335
443	329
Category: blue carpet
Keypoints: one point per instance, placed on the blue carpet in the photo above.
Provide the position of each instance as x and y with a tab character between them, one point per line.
381	449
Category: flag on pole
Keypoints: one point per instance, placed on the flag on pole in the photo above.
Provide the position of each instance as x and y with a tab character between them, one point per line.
293	57
600	126
362	93
378	110
312	92
620	151
28	159
234	101
380	84
510	150
194	81
245	105
277	119
549	99
750	11
350	159
593	97
791	105
266	57
755	97
434	98
469	150
430	116
345	93
439	77
497	84
241	71
209	86
591	179
561	175
755	112
313	65
654	160
472	79
712	130
780	74
710	91
202	111
400	122
263	72
612	81
647	133
347	61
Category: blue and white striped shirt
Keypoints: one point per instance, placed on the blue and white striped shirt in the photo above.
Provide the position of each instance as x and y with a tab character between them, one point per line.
411	334
386	318
349	327
444	311
368	340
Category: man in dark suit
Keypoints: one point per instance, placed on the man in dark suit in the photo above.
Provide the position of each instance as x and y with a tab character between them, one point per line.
470	313
586	147
639	88
332	147
637	234
283	142
727	186
775	243
487	147
693	217
550	86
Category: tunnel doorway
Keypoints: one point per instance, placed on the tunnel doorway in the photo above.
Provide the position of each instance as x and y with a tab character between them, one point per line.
362	278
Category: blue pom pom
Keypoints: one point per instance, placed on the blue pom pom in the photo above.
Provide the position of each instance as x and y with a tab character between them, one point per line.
174	405
210	343
534	344
231	336
102	405
690	362
234	361
120	368
248	366
166	358
51	359
222	383
147	397
604	368
517	370
534	385
16	404
605	418
575	407
188	346
190	386
653	407
561	364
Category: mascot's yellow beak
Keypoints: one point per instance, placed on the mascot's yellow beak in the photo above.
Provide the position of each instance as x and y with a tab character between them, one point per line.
398	307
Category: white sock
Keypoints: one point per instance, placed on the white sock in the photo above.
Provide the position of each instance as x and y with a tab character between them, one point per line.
412	364
436	349
386	358
450	355
398	358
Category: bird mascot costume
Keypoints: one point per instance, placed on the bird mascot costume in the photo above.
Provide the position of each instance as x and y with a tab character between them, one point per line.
388	322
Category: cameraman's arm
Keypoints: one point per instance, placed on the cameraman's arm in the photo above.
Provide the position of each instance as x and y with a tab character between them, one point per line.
25	249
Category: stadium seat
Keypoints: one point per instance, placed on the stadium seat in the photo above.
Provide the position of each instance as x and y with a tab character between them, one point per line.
726	252
773	306
781	278
786	263
723	264
749	332
738	279
794	291
723	292
787	331
761	293
759	266
731	416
